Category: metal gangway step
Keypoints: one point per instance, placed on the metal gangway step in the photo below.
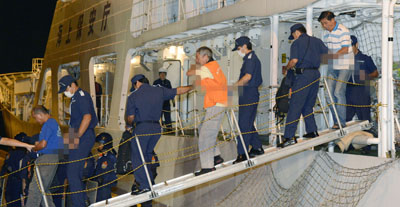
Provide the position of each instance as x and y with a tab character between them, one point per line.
271	153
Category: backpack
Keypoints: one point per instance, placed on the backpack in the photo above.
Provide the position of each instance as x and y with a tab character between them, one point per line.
282	103
124	162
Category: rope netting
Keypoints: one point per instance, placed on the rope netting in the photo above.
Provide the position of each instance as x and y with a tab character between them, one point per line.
324	182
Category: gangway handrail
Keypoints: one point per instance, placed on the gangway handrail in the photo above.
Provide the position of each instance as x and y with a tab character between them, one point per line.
225	169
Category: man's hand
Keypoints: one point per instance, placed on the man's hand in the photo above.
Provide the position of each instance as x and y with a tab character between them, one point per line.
30	147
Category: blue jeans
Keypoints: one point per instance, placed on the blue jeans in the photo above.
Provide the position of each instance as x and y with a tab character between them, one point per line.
338	91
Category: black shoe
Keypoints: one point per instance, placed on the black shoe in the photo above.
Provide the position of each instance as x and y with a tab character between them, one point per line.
311	135
255	152
140	191
287	142
218	160
240	158
204	171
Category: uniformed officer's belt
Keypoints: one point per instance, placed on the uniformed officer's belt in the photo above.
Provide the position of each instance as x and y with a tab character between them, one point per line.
149	122
301	70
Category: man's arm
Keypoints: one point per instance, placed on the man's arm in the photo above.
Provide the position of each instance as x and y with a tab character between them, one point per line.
290	65
374	74
342	51
40	145
15	143
84	124
183	89
244	80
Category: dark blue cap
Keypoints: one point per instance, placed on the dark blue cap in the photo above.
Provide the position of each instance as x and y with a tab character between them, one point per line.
294	28
353	40
136	78
64	82
105	138
241	41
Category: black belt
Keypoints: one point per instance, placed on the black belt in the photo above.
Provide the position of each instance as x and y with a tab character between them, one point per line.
149	122
301	70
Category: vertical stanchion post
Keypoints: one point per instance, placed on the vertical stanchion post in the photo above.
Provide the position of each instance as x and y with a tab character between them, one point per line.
323	111
180	124
195	113
39	178
334	107
222	131
241	137
145	166
176	116
233	135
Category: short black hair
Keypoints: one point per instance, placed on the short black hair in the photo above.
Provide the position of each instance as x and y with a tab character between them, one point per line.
143	80
326	14
76	83
249	46
40	109
302	29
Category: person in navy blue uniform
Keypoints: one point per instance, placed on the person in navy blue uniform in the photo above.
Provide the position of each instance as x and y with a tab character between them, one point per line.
306	53
164	82
364	71
144	108
14	188
249	80
105	164
83	121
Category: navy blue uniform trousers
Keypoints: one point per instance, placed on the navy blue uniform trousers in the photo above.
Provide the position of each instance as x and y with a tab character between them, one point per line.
147	144
302	102
358	95
247	116
75	169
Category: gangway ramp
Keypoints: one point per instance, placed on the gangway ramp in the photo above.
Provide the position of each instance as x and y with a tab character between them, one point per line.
272	153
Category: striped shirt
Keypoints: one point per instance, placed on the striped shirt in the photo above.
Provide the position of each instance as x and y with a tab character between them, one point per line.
335	40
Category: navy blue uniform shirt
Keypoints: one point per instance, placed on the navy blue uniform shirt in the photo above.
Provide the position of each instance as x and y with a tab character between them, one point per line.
365	63
252	66
81	104
307	57
146	103
164	83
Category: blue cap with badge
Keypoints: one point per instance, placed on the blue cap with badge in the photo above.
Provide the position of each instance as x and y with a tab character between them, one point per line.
294	28
64	82
136	78
241	41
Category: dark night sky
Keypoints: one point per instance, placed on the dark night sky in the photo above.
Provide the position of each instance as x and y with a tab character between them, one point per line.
25	28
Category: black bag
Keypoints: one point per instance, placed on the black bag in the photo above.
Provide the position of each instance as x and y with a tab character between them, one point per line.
124	162
282	98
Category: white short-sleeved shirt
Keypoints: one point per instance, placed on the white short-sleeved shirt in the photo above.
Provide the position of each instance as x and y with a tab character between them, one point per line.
335	40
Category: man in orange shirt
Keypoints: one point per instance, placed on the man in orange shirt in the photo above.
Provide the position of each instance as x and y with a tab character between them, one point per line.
213	82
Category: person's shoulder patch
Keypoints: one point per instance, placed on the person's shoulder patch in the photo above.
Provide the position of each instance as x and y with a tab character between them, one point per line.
81	93
249	57
85	166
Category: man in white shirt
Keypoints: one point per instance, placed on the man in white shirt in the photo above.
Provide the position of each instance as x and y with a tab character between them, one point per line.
337	38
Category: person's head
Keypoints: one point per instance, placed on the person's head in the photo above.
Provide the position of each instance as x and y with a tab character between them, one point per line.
354	43
204	55
68	86
243	45
105	140
138	80
162	73
297	30
327	20
40	114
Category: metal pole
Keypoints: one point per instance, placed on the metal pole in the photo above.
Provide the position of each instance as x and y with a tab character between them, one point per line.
274	64
391	140
334	107
42	190
384	121
176	117
180	124
323	111
195	113
309	19
144	163
222	131
231	125
240	134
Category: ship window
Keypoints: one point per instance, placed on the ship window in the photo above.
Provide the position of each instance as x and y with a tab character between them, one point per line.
45	90
104	71
73	69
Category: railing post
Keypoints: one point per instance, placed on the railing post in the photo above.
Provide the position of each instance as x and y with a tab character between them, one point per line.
249	163
154	194
42	190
